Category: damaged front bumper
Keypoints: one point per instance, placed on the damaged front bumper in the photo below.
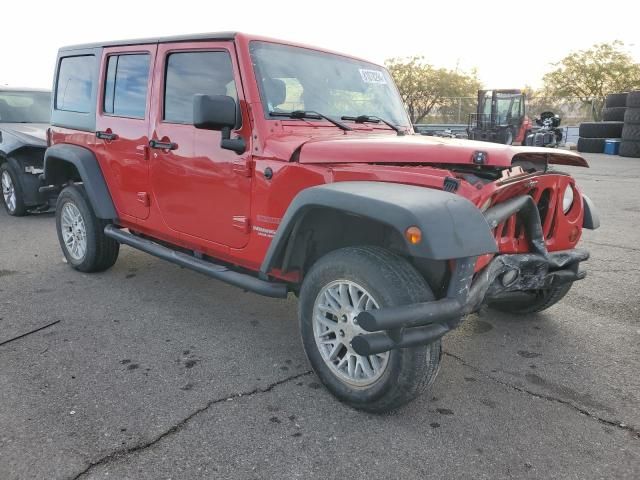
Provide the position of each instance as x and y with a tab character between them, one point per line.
422	323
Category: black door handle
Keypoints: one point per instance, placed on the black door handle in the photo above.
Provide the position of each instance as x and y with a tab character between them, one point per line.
162	145
106	135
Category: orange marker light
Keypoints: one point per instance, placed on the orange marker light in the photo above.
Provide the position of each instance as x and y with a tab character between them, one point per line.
413	235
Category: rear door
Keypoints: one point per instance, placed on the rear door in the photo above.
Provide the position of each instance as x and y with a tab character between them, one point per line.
122	125
201	190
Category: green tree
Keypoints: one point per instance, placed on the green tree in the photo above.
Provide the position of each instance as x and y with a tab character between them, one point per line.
591	74
424	87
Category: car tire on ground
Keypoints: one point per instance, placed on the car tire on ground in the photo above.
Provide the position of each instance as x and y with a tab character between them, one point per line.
12	195
367	277
531	302
600	129
632	115
629	148
631	131
81	233
614	100
591	145
613	114
633	99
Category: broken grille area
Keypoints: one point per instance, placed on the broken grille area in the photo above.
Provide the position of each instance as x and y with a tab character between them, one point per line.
510	234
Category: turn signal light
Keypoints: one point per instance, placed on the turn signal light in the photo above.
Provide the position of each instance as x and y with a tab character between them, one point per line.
413	235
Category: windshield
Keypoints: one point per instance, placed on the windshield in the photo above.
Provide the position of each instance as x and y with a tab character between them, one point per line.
507	108
294	78
25	107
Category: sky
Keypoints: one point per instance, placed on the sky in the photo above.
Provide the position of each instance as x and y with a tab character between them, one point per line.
511	44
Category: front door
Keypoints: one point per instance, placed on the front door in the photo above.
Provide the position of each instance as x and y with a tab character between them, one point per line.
122	126
201	190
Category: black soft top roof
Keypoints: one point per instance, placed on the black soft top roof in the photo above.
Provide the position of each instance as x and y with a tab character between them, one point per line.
146	41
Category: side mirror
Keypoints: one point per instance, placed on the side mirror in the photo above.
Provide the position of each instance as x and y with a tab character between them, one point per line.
214	112
218	112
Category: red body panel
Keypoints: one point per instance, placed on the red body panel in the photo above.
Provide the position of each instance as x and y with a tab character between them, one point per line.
125	160
214	201
201	191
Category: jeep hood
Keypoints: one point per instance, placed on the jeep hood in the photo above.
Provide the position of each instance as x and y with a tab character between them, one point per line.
420	149
34	134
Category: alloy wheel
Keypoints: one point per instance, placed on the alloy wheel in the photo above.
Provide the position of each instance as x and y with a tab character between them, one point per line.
335	325
8	191
74	232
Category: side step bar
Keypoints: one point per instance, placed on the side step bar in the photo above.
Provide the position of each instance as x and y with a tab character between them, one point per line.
219	272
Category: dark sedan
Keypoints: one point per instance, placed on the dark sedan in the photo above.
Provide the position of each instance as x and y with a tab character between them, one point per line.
24	119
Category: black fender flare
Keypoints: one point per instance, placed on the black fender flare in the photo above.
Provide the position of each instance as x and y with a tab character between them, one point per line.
591	219
88	168
452	226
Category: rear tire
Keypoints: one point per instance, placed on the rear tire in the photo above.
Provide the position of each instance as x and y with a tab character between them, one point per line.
613	114
12	194
632	116
631	132
614	100
591	145
368	277
600	129
539	300
507	137
81	233
633	99
629	148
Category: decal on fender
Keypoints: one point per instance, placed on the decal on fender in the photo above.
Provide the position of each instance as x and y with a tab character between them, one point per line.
264	232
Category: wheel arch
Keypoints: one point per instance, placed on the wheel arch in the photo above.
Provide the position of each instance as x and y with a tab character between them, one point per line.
18	160
326	217
71	163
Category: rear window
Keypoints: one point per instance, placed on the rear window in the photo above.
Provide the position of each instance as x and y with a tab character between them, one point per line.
24	107
75	84
125	92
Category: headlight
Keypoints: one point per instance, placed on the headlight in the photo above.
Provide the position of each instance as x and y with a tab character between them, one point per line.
567	199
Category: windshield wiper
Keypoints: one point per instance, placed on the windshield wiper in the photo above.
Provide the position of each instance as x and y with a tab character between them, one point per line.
374	119
310	114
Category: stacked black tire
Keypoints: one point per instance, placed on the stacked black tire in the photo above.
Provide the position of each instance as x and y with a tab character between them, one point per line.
630	146
593	134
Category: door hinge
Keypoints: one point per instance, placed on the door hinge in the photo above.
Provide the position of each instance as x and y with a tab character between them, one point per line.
241	223
244	168
143	198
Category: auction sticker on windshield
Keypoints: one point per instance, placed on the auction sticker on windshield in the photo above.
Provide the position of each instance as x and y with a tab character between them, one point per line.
372	76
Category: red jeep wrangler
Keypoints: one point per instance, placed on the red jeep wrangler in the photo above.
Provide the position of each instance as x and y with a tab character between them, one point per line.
283	168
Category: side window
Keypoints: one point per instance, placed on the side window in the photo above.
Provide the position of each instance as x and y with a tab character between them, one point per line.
125	92
191	73
75	84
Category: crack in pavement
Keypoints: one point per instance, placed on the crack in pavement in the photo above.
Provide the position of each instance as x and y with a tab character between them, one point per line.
121	453
622	426
29	332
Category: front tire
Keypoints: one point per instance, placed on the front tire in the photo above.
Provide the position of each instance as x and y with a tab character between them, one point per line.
12	195
339	286
507	136
532	302
81	233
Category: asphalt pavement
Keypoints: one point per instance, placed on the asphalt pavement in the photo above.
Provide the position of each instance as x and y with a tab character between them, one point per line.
150	371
